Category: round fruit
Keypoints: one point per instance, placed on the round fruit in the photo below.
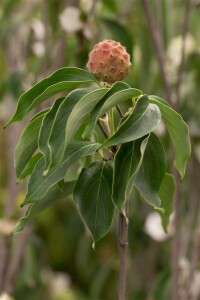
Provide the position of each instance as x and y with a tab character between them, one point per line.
109	61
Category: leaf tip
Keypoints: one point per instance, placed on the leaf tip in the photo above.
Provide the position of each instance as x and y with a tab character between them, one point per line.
8	123
160	209
44	174
24	203
93	246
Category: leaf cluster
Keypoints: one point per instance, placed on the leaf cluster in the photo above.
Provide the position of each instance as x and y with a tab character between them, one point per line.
65	139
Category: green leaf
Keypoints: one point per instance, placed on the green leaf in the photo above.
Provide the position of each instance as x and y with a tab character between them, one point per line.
118	98
74	171
53	196
39	185
57	138
143	120
62	80
92	194
159	99
80	111
28	143
166	194
179	134
150	175
116	95
127	162
30	166
45	130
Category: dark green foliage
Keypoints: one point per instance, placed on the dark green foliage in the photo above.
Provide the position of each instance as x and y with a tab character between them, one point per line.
140	161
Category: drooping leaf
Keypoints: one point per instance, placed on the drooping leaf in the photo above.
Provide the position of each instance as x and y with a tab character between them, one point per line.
62	80
45	130
116	95
57	138
39	185
127	162
92	194
80	111
151	173
28	143
143	120
179	134
166	194
53	196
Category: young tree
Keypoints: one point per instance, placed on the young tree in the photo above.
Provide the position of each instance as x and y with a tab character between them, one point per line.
122	150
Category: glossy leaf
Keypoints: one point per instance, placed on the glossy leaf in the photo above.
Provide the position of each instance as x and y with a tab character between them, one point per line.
120	97
92	194
74	171
150	175
28	143
80	111
127	162
57	138
62	80
45	130
39	185
53	196
116	95
166	194
179	134
143	120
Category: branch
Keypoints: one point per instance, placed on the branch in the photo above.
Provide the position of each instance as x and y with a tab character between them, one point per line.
15	260
119	111
184	34
123	249
102	129
12	135
154	32
175	250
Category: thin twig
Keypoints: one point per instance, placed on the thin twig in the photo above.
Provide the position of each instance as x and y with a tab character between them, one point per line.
158	6
12	135
119	111
157	46
184	34
193	204
176	238
193	264
15	260
123	249
102	129
123	229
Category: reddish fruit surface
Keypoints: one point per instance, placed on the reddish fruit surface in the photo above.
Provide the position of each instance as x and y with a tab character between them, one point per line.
109	61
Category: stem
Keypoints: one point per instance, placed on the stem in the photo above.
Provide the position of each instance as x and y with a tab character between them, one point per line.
123	224
111	121
176	241
102	129
184	35
119	111
155	36
123	249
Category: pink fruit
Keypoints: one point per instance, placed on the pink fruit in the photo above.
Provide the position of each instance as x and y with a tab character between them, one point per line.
109	61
